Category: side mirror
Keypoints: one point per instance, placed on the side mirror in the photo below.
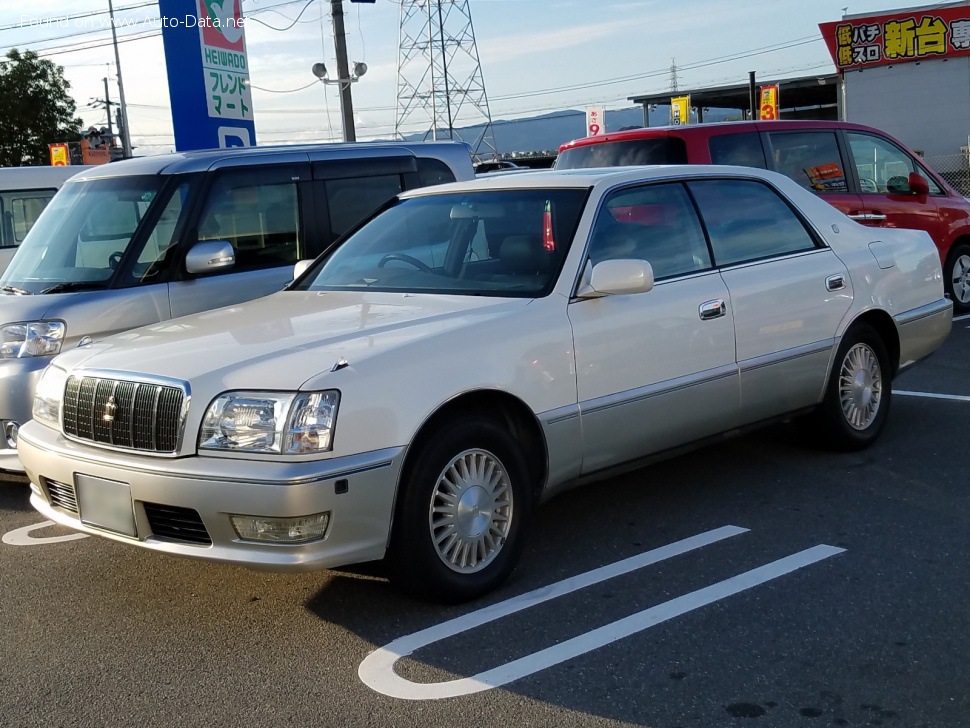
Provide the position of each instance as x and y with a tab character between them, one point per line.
209	256
617	278
918	184
301	267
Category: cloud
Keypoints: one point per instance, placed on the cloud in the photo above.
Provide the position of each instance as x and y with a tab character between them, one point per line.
527	44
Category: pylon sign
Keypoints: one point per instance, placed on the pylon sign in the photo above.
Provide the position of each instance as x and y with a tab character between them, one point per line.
208	73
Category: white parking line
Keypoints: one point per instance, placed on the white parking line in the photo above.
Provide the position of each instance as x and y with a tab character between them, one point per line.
962	318
931	395
377	669
20	537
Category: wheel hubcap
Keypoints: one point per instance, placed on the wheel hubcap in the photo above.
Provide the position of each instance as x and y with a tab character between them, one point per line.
961	279
471	511
860	386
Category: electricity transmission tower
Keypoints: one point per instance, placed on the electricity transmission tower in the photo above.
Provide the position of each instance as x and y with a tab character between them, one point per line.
439	76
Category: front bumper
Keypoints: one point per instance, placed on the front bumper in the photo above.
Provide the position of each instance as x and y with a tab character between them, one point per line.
357	490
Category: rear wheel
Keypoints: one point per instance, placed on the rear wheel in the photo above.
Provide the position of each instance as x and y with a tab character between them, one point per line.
859	391
461	519
957	277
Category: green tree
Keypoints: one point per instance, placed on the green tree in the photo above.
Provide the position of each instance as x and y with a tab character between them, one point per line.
36	109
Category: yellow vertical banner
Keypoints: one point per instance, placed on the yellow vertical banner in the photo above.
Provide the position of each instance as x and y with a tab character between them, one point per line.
59	155
680	110
768	108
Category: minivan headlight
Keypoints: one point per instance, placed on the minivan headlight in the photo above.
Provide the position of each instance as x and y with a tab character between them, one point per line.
288	423
48	396
31	338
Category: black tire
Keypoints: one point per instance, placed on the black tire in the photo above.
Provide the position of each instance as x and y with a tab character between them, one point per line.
439	573
862	372
956	278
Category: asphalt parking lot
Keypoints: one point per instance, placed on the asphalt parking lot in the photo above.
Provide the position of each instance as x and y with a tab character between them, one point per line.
756	582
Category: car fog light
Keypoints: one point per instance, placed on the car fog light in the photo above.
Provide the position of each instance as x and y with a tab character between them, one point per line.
281	530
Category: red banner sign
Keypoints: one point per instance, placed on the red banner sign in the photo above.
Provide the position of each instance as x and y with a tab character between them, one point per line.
880	40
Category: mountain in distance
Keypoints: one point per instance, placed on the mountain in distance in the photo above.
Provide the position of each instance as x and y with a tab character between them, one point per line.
547	132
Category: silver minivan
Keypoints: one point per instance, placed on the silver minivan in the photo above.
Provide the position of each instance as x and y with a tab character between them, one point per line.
145	240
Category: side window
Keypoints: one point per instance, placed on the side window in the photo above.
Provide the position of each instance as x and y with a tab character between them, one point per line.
260	218
352	199
656	223
811	158
19	211
433	172
744	150
748	220
883	167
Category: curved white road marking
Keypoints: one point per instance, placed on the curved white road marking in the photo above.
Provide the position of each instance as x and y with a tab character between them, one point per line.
20	537
406	645
377	669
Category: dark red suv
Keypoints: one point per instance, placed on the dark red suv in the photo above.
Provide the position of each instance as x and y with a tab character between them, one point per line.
862	171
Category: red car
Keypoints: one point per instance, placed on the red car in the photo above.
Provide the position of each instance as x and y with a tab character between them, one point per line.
862	171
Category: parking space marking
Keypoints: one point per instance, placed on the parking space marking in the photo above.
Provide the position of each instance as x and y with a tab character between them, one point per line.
962	318
21	537
377	669
931	395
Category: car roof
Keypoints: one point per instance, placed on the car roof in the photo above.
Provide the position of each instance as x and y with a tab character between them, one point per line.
710	129
595	176
207	159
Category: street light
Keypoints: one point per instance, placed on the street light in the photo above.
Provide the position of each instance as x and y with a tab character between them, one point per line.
320	71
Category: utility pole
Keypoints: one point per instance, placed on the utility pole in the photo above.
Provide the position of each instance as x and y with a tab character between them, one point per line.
123	115
343	70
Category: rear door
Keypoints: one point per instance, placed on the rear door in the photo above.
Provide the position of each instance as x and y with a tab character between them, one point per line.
789	292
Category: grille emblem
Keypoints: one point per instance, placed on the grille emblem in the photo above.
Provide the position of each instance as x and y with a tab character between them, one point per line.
110	408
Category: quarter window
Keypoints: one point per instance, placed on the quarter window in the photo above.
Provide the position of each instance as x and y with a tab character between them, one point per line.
656	223
352	199
883	167
811	158
748	220
18	211
744	150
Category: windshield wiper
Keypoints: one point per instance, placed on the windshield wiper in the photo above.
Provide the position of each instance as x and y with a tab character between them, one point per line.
75	286
14	289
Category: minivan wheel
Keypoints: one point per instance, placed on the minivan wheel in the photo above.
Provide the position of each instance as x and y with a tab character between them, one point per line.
857	397
462	514
957	278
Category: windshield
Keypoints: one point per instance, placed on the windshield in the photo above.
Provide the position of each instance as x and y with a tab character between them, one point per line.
659	150
79	239
493	243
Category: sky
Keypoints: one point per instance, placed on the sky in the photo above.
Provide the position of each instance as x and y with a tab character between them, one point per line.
536	56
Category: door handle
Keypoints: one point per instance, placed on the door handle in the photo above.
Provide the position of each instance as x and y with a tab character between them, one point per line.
835	283
876	217
712	309
867	216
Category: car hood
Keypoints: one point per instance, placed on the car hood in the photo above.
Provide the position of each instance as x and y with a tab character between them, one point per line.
283	340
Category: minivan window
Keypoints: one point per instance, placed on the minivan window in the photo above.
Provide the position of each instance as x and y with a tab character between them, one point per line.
433	172
352	199
260	219
883	167
18	213
79	239
748	220
744	150
660	150
811	158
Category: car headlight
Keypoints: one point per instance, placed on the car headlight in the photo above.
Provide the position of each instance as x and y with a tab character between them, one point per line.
31	338
48	396
288	423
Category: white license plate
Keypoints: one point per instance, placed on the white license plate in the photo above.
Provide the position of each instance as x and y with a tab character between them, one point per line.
105	504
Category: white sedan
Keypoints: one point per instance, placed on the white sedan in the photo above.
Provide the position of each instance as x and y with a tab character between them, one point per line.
472	350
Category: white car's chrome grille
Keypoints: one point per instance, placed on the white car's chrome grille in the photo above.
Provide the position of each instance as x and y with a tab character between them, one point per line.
62	495
130	415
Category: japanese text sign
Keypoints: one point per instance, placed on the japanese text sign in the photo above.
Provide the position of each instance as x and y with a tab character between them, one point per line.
881	40
680	110
595	121
768	108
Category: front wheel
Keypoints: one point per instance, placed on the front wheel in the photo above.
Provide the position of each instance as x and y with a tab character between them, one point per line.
956	278
462	515
859	391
